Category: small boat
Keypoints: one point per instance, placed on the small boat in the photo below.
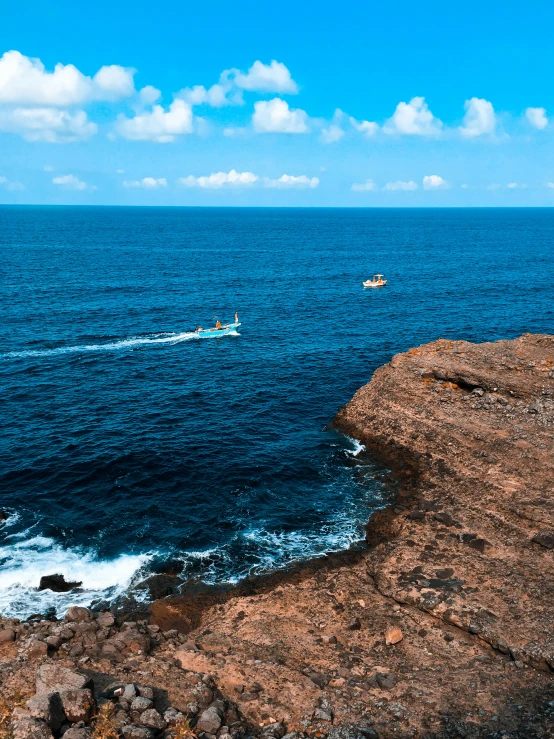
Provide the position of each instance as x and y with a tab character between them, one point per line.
376	281
218	330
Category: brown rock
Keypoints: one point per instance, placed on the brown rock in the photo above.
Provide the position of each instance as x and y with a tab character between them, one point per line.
393	635
52	677
6	635
30	728
49	708
77	614
77	704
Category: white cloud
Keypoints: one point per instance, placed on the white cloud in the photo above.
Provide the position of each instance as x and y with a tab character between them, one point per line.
11	185
275	116
70	182
274	77
537	117
120	171
550	185
216	95
480	118
368	128
334	131
158	124
47	124
25	80
434	182
401	185
516	186
149	94
220	179
48	168
413	118
464	187
367	186
149	183
291	181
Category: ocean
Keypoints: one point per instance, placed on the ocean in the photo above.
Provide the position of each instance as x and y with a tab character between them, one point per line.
129	445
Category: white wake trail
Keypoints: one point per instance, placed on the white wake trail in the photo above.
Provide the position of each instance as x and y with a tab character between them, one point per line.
130	343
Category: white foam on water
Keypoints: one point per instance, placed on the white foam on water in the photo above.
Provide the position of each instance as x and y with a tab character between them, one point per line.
358	447
130	343
23	563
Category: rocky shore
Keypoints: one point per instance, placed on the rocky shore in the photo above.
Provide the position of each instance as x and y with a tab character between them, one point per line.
442	627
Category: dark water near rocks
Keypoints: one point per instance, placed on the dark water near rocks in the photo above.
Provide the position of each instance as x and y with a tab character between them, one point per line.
126	441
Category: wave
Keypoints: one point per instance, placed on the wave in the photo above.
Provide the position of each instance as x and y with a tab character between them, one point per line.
358	447
23	563
130	343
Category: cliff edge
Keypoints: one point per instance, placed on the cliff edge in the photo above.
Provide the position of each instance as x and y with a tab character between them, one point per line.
442	627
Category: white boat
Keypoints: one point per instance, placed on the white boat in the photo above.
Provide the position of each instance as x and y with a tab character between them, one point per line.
376	281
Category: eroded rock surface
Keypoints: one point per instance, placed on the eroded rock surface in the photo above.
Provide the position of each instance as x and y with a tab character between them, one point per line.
443	627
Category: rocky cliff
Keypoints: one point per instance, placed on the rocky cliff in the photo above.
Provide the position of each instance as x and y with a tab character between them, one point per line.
442	627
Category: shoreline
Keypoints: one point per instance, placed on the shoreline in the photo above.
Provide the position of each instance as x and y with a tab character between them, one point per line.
440	628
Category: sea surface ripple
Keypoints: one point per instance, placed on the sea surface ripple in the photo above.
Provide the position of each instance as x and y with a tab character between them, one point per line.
127	443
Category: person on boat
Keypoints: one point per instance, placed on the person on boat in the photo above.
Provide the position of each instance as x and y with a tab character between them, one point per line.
237	317
218	324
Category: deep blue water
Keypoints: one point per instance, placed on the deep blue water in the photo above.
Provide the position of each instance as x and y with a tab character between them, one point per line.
126	441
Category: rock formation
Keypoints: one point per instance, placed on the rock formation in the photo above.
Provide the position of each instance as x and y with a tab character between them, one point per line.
442	627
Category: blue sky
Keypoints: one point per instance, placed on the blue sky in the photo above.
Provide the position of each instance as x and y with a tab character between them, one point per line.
307	104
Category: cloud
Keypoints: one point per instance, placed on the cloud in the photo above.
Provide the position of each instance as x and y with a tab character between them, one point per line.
158	124
149	94
70	182
287	181
537	117
216	95
220	179
516	186
48	168
334	131
11	185
434	182
275	116
400	185
47	124
274	77
413	118
24	80
367	186
368	128
480	118
550	185
149	183
120	171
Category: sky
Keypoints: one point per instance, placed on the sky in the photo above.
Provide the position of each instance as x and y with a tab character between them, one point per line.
277	104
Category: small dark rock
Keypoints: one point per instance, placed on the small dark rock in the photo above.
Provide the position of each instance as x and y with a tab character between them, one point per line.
57	584
545	539
355	625
445	518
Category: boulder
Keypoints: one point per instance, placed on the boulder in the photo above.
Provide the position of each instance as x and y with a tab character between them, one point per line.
35	648
172	717
6	635
152	719
77	704
209	721
52	677
141	704
57	584
31	728
130	693
78	614
137	732
105	619
75	733
47	707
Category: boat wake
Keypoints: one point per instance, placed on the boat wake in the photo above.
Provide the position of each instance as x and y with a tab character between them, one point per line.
124	344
